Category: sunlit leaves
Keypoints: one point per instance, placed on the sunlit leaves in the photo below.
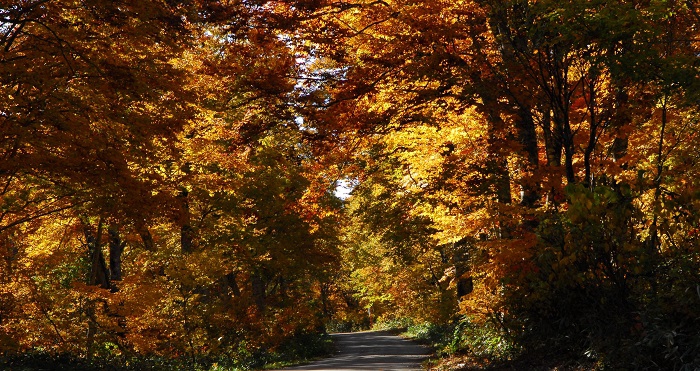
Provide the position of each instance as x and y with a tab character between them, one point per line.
511	161
553	137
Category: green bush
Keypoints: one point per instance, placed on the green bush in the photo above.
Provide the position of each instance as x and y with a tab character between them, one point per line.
333	326
393	324
302	347
604	290
464	337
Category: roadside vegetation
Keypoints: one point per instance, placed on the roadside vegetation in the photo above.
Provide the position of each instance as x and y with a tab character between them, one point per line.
215	184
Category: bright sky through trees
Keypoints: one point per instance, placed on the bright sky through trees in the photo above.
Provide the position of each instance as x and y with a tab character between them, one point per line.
210	184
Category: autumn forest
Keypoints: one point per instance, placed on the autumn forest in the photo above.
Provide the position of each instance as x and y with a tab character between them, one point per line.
215	185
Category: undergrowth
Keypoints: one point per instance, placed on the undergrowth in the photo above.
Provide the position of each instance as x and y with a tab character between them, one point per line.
300	349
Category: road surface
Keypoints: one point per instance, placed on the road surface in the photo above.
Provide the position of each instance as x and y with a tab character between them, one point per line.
371	350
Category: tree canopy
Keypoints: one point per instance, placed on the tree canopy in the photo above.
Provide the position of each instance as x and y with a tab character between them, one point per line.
523	172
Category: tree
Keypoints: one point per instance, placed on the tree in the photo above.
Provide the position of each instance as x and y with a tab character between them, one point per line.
564	93
146	125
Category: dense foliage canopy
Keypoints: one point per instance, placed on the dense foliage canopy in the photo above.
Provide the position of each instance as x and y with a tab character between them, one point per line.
524	171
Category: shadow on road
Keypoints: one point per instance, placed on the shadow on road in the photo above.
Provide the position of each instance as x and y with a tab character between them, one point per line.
371	350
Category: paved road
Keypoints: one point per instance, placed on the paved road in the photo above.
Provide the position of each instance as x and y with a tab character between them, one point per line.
371	350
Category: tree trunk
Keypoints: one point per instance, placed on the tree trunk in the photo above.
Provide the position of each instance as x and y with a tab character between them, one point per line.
567	138
460	261
99	274
186	230
589	180
620	119
258	288
552	139
498	169
232	284
146	236
527	136
116	247
496	164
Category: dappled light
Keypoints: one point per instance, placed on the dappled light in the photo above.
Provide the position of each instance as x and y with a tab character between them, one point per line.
216	185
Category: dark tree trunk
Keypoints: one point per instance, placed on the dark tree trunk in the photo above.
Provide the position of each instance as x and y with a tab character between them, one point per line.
589	180
552	140
258	288
460	261
567	139
527	136
620	119
146	236
186	230
498	169
496	164
99	274
116	247
232	284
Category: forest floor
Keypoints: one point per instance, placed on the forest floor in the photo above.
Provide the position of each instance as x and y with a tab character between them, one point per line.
371	350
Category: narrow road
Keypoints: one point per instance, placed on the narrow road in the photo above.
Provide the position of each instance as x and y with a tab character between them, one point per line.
371	350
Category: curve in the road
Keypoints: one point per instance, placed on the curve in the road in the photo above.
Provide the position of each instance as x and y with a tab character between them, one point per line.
371	350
